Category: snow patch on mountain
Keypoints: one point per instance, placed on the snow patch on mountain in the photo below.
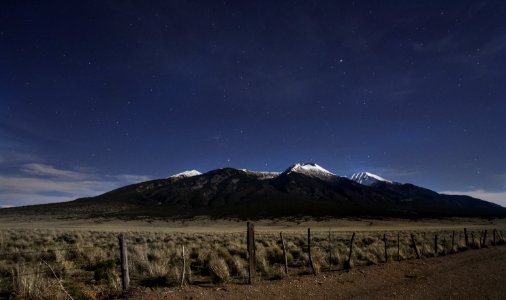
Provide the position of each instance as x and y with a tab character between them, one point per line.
185	174
369	179
310	169
261	174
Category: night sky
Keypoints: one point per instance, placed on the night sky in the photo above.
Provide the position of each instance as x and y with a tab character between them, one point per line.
98	94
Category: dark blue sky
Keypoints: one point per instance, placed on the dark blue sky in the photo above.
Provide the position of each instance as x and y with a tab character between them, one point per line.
97	94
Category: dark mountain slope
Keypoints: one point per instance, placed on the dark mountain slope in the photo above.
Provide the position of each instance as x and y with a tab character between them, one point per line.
295	192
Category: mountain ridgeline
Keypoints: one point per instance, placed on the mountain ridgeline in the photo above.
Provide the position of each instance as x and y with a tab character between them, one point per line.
301	190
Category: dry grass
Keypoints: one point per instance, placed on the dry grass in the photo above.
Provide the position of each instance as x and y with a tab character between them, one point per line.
87	262
31	283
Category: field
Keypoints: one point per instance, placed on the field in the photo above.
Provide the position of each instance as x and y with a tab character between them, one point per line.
53	258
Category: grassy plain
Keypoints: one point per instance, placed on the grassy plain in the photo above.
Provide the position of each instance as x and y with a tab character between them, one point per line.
46	257
204	224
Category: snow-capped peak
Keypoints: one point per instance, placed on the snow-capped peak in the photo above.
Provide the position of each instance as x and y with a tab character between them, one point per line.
368	179
261	174
186	174
309	169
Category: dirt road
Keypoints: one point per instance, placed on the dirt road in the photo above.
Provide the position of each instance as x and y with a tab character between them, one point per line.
474	274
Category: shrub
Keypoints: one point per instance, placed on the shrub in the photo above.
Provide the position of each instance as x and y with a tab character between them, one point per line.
277	272
104	271
30	283
276	255
218	268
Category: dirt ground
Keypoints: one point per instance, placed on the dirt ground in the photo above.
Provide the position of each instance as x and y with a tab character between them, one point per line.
474	274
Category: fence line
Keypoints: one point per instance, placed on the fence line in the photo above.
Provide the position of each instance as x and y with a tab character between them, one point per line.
318	240
481	240
51	250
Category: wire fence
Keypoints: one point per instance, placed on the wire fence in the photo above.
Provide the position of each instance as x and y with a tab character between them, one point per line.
159	260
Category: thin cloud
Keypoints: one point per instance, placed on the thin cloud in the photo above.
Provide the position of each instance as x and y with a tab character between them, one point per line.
47	170
495	197
22	199
37	183
14	157
128	178
495	46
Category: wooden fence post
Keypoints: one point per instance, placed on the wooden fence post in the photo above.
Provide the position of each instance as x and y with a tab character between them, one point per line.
284	253
414	246
385	241
125	278
251	252
184	267
453	241
348	265
435	245
466	238
330	252
493	241
309	251
398	246
483	244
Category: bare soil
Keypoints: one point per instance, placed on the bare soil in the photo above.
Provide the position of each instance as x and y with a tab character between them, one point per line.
473	274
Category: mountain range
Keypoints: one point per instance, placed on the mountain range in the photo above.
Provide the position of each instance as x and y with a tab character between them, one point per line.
301	190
